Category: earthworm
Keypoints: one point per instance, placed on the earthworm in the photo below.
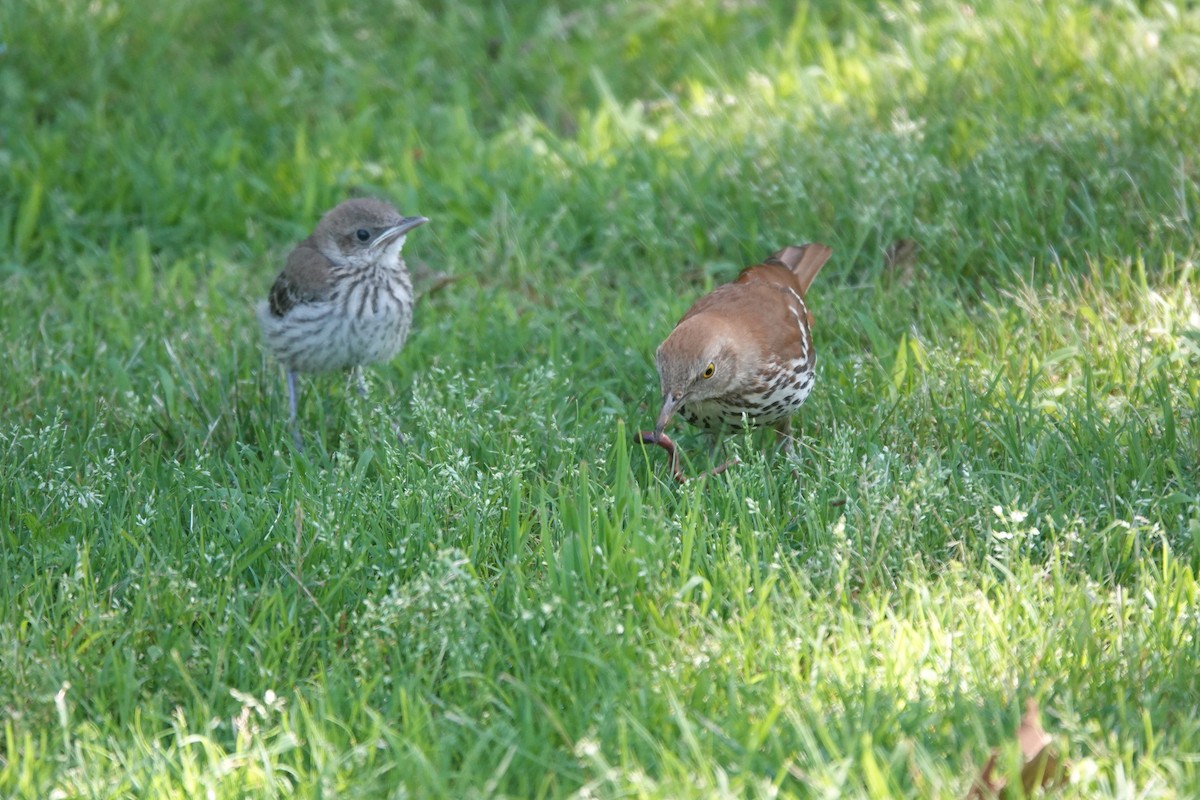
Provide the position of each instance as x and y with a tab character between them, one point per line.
664	441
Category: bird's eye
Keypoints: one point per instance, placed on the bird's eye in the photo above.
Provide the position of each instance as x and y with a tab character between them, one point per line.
363	234
709	370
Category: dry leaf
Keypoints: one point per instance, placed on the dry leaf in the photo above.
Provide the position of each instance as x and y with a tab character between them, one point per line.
1041	764
987	787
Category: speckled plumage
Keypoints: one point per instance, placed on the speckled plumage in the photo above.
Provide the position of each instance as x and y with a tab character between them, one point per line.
744	352
344	297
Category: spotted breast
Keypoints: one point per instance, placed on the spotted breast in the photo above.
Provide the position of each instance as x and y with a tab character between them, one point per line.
744	352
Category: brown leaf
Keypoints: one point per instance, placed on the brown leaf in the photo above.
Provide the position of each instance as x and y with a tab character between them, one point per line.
1041	765
987	786
1030	736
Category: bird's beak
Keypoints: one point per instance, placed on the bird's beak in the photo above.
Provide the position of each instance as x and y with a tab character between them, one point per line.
396	231
671	402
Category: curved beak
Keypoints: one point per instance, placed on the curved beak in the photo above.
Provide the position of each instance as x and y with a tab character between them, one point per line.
396	231
671	402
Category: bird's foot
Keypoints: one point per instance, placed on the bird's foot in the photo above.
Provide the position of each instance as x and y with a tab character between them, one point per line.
717	470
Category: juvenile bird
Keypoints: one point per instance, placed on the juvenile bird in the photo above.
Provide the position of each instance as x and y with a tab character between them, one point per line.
344	297
744	351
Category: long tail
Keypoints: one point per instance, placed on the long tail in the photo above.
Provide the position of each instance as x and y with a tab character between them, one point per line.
804	260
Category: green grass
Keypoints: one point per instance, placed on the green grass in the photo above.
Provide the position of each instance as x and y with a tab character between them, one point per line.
997	494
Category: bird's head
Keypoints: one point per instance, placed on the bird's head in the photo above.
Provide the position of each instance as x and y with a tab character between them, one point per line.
700	360
362	231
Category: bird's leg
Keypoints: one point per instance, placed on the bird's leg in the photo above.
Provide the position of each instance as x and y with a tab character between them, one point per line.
291	384
716	444
787	443
358	374
717	448
783	433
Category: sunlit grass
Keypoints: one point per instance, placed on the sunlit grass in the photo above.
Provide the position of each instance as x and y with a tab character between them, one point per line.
996	494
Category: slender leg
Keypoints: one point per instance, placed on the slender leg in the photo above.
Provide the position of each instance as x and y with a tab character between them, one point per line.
716	443
291	383
787	444
362	381
717	448
783	430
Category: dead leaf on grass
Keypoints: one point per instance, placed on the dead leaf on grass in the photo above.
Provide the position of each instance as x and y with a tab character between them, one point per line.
1041	765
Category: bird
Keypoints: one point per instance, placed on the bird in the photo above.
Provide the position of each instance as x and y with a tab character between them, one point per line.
744	351
344	297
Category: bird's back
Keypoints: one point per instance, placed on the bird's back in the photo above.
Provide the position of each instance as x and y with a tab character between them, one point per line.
764	304
791	269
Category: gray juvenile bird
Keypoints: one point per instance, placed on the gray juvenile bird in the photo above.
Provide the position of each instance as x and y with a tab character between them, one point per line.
344	298
744	351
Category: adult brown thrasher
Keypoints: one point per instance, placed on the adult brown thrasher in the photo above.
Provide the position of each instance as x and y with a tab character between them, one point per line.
744	352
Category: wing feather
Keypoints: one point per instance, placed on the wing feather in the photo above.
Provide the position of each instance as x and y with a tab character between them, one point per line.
304	279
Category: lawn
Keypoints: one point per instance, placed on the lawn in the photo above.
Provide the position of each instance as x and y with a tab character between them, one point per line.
995	498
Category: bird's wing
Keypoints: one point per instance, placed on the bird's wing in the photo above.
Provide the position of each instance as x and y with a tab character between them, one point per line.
304	279
768	294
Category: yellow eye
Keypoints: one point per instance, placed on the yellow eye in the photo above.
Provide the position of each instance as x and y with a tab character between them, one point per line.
709	370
